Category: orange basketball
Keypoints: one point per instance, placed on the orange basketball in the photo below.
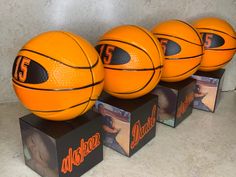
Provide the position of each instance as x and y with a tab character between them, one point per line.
182	49
132	59
58	75
219	42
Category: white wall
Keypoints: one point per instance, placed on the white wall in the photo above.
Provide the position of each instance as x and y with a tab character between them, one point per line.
20	20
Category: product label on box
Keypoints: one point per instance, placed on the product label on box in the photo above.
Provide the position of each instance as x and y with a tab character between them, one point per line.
139	131
185	104
77	156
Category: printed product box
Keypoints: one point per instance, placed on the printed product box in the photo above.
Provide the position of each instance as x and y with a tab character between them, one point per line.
175	101
127	124
208	89
62	149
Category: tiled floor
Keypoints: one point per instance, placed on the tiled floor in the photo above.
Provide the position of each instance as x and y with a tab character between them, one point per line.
204	145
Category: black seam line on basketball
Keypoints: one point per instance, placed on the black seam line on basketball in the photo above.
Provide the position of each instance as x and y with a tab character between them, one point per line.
184	57
138	89
61	109
64	109
192	29
217	65
72	37
150	38
128	44
91	93
184	72
75	67
221	49
216	31
178	38
63	89
144	69
92	99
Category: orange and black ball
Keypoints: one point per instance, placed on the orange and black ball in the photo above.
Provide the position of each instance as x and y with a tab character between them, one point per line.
219	40
132	59
58	75
182	48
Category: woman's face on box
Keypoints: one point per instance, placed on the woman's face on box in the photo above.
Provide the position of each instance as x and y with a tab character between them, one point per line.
38	149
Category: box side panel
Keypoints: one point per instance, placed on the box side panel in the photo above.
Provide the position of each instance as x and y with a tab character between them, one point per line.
143	125
80	149
116	127
167	101
176	108
185	102
205	93
218	96
39	150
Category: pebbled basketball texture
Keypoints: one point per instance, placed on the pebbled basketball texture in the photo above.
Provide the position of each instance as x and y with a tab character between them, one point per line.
58	75
219	40
133	61
182	47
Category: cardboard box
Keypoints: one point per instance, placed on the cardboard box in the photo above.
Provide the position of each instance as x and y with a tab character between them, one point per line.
62	149
208	89
127	124
175	101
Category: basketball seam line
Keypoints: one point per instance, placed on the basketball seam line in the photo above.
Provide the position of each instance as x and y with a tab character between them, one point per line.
91	93
65	108
61	109
217	31
152	41
145	69
167	58
64	89
198	35
192	29
217	65
75	67
178	38
139	89
184	72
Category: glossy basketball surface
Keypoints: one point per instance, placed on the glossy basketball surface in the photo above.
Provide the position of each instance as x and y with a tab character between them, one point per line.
58	75
219	42
132	59
182	48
